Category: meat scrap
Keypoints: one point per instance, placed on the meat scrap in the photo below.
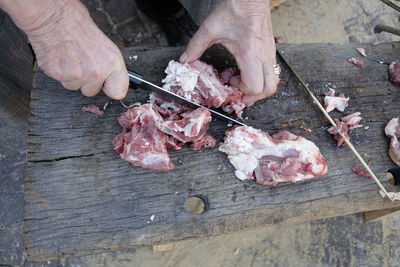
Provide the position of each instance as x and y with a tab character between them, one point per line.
343	125
201	83
394	72
147	134
393	195
356	62
392	129
332	102
282	157
362	51
93	109
361	171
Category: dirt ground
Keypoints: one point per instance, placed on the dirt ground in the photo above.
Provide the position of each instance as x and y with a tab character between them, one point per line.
341	241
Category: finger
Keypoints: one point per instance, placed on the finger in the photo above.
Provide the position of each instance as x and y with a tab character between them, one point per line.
271	79
117	83
197	45
251	74
92	88
269	85
73	85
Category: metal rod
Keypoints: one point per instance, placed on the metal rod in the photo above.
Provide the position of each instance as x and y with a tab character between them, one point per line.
347	141
392	5
383	28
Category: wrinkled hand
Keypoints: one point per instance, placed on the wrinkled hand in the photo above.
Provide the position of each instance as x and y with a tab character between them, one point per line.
70	48
244	28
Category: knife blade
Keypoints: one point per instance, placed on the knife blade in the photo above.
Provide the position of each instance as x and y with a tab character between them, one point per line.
327	116
138	79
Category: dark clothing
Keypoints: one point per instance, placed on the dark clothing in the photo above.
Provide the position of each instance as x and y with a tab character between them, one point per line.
16	71
199	9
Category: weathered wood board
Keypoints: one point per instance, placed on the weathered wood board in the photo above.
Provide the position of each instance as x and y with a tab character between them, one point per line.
81	198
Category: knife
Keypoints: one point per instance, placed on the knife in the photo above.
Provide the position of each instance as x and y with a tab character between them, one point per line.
137	79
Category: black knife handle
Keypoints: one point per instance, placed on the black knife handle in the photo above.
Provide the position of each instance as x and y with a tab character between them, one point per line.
132	77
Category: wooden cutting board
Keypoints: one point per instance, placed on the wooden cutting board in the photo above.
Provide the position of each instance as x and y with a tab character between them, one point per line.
81	198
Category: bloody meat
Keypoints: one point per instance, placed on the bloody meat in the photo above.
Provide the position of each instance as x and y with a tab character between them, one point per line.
282	157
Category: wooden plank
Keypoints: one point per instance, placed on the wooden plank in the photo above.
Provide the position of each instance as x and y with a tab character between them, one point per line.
82	199
375	215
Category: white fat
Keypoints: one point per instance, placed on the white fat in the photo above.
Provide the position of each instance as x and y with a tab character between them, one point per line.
244	162
240	175
391	127
151	159
335	102
181	75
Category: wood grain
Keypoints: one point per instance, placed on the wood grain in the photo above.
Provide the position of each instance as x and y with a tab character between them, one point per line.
82	199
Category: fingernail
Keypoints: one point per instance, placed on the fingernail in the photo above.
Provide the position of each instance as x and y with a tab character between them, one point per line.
183	58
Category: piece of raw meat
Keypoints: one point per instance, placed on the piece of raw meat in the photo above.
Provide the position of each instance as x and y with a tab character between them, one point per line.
394	72
392	129
93	109
148	130
141	143
361	171
343	125
332	102
282	157
361	51
356	62
201	83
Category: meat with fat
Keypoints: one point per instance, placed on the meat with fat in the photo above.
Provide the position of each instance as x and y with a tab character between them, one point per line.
394	72
201	83
332	102
343	125
358	63
141	143
282	157
150	129
392	129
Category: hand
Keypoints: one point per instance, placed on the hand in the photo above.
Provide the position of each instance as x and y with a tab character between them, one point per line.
70	48
244	28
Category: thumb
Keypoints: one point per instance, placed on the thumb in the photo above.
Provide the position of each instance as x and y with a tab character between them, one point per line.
202	40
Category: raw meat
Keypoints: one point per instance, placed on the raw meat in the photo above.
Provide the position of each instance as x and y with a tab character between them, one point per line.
93	109
343	125
332	102
392	129
282	157
201	83
394	72
141	143
361	171
362	51
149	130
356	62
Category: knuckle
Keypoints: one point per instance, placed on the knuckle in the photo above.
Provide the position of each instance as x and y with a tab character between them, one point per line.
93	72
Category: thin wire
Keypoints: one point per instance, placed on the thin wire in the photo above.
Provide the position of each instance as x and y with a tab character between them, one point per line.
347	141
